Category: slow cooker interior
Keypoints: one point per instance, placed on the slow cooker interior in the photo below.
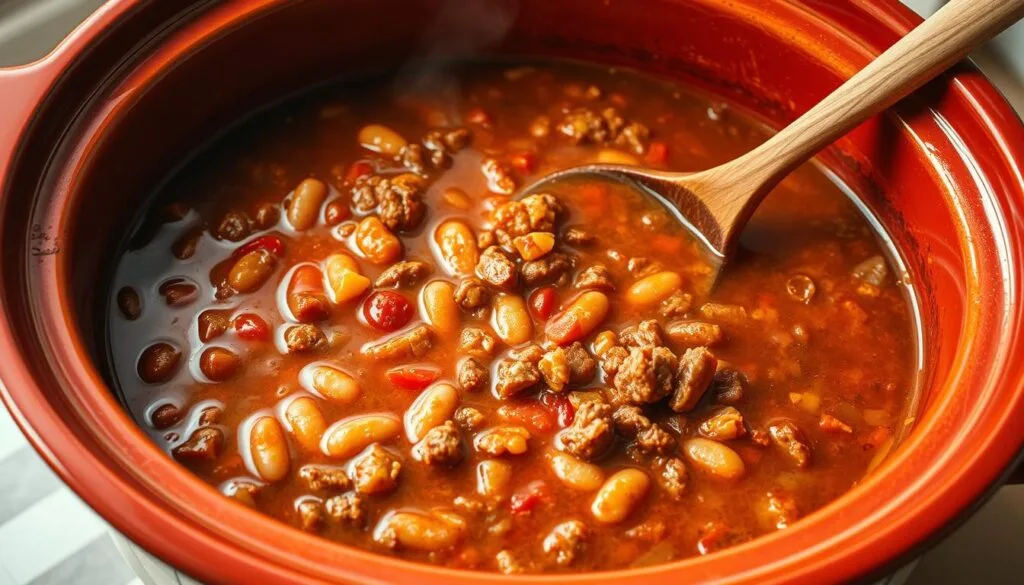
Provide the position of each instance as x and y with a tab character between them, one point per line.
291	49
150	114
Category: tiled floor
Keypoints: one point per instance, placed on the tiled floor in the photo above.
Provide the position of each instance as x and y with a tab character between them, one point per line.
47	535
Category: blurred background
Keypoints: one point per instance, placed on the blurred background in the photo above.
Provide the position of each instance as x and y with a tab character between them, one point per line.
48	537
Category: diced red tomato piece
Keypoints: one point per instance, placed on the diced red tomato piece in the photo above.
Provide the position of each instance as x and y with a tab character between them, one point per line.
415	377
564	328
251	327
387	310
358	169
560	406
306	297
657	153
524	161
272	244
532	495
531	414
543	301
306	278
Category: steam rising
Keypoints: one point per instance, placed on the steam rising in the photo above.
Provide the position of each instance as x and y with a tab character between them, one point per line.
462	30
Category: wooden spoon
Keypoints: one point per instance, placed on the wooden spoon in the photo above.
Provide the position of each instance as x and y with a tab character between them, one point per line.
717	203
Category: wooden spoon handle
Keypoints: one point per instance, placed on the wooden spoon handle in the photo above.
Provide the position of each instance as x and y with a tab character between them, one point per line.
926	51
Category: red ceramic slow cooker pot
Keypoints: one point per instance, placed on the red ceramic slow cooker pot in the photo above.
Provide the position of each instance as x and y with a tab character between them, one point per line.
88	132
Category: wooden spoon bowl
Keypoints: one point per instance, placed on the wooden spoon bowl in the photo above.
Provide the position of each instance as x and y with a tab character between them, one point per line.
716	204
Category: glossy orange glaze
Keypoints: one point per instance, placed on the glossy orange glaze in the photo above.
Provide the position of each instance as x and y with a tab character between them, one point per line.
837	360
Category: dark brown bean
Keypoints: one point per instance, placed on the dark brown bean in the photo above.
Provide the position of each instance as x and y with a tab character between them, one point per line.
175	211
219	364
251	271
305	204
213	323
165	415
185	247
210	415
179	292
336	212
303	338
129	302
204	445
159	362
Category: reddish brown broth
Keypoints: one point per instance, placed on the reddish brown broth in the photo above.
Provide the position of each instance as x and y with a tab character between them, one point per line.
835	361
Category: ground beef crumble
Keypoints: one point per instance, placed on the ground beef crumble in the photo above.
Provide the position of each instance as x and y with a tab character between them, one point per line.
585	126
515	375
325	477
645	334
671	475
648	437
375	470
469	419
348	508
676	305
649	532
497	269
696	370
412	343
508	564
596	277
552	268
564	366
405	273
311	515
304	338
575	236
472	294
499	176
590	433
565	542
476	342
791	441
440	446
646	375
612	359
555	369
538	212
472	376
398	200
724	425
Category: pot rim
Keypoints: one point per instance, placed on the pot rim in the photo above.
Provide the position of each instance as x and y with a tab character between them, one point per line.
136	504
